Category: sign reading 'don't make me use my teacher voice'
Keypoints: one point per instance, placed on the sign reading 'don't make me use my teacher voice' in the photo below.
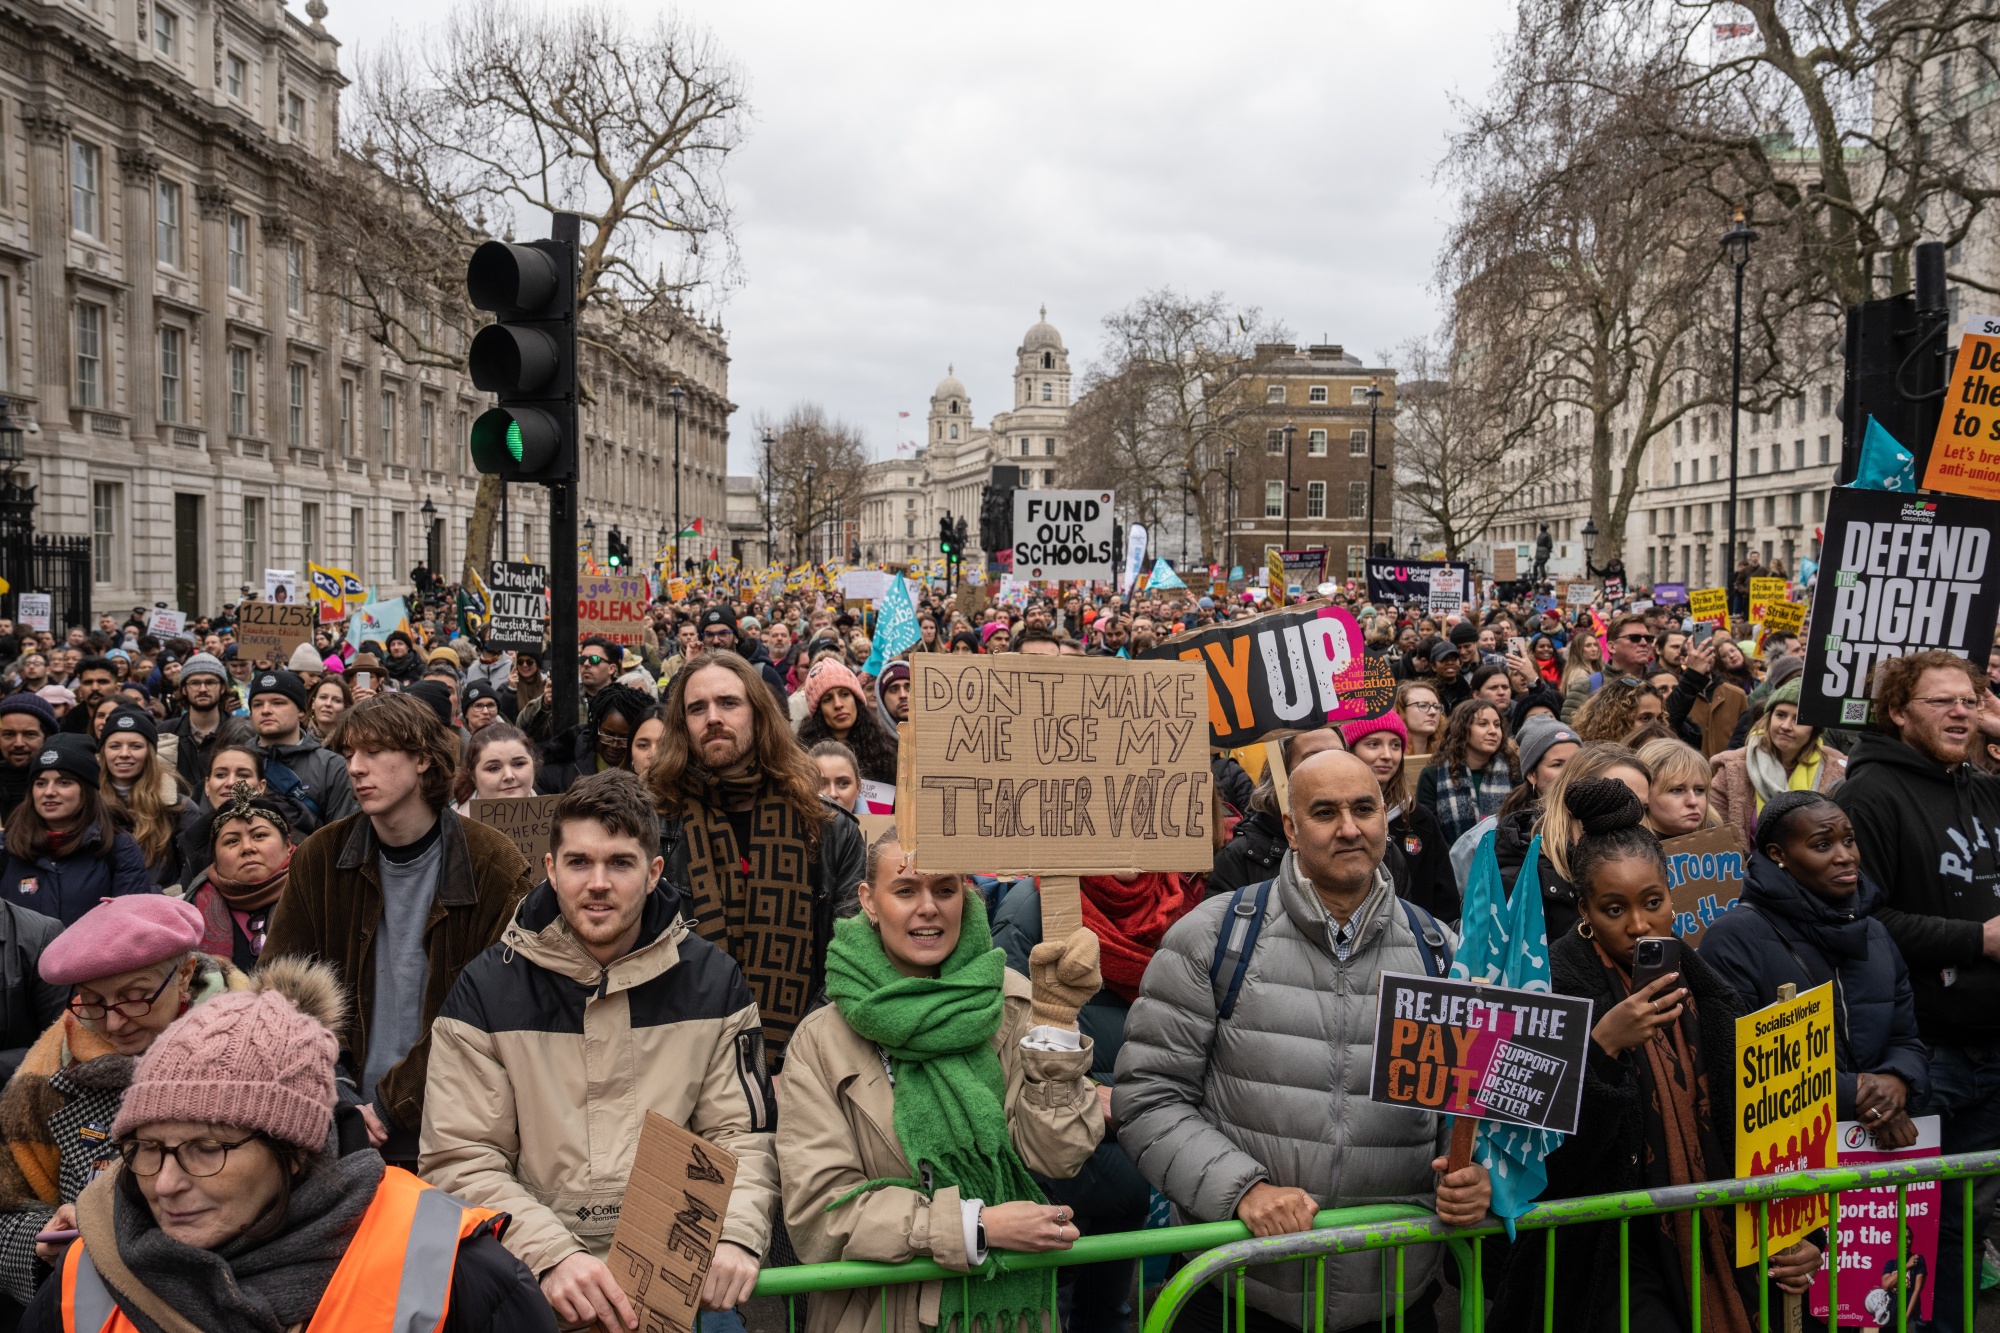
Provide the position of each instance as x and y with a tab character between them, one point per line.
1074	765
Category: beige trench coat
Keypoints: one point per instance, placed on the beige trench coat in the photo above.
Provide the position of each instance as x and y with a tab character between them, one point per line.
837	1129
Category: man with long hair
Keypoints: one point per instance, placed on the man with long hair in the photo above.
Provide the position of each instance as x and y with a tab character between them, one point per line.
762	864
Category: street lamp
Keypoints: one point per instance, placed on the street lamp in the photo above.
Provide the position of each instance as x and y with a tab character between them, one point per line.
1374	392
1589	545
590	536
812	470
1290	430
1187	502
1736	244
674	396
770	442
1416	546
1229	505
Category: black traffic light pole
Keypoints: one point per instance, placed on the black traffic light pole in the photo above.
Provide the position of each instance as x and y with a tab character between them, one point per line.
563	497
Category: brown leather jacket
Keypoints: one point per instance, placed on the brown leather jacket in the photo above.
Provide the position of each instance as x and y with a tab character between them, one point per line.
333	906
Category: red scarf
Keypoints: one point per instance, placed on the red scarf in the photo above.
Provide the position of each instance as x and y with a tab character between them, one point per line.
1551	671
1129	919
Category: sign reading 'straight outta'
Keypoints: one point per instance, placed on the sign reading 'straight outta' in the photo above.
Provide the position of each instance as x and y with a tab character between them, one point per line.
1040	764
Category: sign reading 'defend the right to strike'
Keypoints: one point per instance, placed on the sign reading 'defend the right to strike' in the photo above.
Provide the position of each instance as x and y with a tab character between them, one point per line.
1898	574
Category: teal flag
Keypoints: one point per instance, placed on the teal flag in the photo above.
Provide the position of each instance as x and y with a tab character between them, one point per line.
1507	944
1164	579
895	625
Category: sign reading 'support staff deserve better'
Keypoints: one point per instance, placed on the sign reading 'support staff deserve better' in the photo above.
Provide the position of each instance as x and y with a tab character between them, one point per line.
1046	764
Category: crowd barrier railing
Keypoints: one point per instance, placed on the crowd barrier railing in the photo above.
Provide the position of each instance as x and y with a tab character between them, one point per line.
1225	1251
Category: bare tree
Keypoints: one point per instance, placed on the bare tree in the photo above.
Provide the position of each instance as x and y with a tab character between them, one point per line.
1462	416
1157	415
814	464
508	113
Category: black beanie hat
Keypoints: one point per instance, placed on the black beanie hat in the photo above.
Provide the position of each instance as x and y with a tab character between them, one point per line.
435	694
279	682
71	753
130	721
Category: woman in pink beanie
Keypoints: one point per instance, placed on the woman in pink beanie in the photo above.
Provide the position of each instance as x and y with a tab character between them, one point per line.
835	712
226	1210
132	966
1419	858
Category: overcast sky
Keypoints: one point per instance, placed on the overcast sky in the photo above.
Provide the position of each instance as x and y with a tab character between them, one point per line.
919	178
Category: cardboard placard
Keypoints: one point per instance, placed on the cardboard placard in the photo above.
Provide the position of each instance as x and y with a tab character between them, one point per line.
1709	604
613	607
166	623
519	595
1784	1108
1964	456
1705	875
1407	580
670	1224
270	630
1867	1246
1055	765
1505	564
1580	594
1294	669
524	819
1897	575
1064	534
1484	1052
1413	770
35	609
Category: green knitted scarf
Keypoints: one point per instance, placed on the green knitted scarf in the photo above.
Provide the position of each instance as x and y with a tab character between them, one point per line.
951	1112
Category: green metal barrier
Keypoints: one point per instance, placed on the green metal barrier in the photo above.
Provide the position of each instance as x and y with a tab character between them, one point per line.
1225	1250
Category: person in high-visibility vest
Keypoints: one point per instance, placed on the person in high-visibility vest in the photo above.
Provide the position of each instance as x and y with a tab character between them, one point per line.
225	1211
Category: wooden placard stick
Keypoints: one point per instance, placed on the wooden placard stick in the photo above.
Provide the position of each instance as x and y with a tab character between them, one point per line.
1281	781
1793	1319
1062	905
1463	1128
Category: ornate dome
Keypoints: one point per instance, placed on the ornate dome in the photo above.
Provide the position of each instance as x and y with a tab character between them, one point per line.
1042	334
950	386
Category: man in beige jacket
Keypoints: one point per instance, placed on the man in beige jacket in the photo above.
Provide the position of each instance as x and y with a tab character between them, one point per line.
598	1005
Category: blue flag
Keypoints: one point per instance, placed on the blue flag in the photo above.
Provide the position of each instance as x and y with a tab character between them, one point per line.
895	625
1885	464
1164	578
1507	944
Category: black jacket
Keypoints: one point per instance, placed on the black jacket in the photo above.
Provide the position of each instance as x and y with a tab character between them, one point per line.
65	887
1928	838
1511	836
757	655
1605	1153
1419	861
491	1292
1232	782
1782	933
1251	857
28	1005
190	752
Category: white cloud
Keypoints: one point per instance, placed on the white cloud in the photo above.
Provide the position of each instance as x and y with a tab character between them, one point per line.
919	178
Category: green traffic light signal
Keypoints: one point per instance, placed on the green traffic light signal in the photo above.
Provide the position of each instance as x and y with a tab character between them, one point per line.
526	359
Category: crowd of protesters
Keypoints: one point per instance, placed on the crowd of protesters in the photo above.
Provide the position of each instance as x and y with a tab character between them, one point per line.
269	987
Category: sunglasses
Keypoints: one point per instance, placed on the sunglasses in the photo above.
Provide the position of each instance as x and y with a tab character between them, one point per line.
595	659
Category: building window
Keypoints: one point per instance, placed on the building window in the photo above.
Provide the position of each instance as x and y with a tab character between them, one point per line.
1315	499
295	115
239	252
1274	499
295	276
357	542
1048	392
173	343
1049	447
1274	442
1024	448
1826	448
239	391
86	186
427	432
235	74
954	430
309	533
1316	394
1357	499
1357	394
1274	393
1357	444
1798	502
399	523
253	539
89	354
166	31
1753	462
1357	560
295	386
105	502
1316	443
347	416
388	425
167	226
6	309
1048	477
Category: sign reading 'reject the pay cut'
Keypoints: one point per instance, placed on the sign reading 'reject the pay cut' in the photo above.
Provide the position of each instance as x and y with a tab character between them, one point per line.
1486	1052
1076	765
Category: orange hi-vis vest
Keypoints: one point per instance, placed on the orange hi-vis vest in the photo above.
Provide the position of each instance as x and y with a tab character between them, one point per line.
394	1278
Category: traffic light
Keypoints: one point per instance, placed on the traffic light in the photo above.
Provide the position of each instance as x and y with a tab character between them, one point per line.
947	537
958	537
526	358
614	550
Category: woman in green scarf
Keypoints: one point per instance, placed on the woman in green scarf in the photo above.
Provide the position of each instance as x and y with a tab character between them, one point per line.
914	1106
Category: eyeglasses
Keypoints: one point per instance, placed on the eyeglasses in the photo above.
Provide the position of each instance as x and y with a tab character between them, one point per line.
1948	701
196	1157
594	659
1421	707
129	1008
607	741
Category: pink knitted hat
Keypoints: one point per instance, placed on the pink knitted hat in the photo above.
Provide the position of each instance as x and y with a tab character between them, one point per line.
1352	732
829	674
249	1059
122	935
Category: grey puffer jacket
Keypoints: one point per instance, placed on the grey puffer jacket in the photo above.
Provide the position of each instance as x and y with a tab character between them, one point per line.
1280	1091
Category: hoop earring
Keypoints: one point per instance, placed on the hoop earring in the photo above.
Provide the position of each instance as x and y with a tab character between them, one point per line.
1583	929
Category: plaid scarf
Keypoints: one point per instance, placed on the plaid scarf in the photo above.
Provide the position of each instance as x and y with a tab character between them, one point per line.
756	901
1463	802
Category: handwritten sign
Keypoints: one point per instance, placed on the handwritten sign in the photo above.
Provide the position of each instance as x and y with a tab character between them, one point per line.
1580	594
1286	669
1709	604
1064	535
1077	765
524	819
670	1224
519	594
611	606
1506	564
1784	1109
270	630
1705	875
1486	1052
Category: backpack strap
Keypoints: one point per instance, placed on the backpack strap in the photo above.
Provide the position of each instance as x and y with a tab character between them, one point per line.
285	782
1234	943
1432	945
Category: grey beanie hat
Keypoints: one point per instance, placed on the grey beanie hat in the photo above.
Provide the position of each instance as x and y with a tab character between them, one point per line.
205	664
1538	735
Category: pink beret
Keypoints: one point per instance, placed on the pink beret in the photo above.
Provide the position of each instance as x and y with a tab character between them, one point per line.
122	935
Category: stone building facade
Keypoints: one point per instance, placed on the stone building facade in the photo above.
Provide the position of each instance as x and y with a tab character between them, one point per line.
199	405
